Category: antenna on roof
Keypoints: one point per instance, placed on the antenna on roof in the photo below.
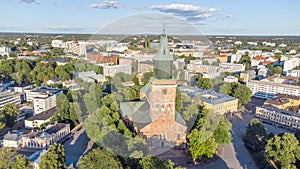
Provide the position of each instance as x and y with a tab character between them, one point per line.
164	28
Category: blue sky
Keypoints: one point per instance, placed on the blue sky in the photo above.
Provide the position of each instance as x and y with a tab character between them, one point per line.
245	17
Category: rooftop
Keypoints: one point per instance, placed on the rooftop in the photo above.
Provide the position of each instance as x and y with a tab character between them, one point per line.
44	115
208	96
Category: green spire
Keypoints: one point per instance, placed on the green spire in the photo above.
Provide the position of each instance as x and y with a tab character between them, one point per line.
163	61
163	48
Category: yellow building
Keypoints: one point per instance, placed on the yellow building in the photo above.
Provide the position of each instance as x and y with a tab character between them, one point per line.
217	102
285	102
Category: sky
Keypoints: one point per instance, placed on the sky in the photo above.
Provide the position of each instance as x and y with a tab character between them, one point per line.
210	17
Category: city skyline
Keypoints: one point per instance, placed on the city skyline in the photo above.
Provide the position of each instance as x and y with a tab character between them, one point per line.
214	17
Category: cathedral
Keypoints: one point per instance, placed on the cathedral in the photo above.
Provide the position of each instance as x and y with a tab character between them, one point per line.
155	116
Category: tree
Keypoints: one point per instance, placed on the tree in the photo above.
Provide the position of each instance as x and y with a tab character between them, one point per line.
204	83
154	162
10	112
226	88
21	163
202	142
6	157
256	136
146	77
99	158
284	150
243	93
277	70
6	68
54	158
2	122
222	133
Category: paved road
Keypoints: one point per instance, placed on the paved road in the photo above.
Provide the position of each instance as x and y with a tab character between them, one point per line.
76	146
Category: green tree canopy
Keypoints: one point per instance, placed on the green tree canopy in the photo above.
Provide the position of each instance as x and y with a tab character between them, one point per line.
256	136
204	83
21	163
6	157
284	150
10	112
54	158
99	158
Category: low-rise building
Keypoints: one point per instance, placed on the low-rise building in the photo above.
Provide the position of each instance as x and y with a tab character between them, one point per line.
43	139
37	120
278	117
231	79
112	70
91	76
284	102
54	81
145	66
211	75
232	67
247	75
217	102
293	73
12	139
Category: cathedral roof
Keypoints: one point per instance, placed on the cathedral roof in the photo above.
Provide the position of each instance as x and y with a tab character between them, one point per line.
163	52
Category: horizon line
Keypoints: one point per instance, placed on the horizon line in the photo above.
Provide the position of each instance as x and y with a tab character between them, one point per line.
85	33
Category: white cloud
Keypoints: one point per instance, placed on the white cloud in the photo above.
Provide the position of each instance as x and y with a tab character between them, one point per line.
106	4
189	12
27	1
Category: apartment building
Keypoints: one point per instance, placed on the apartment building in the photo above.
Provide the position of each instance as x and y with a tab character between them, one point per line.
112	70
9	96
232	67
41	104
247	75
231	79
43	91
278	117
263	89
293	73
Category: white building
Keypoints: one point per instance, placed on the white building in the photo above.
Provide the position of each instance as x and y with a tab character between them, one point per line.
4	50
82	49
8	96
58	44
293	73
112	70
43	91
41	104
263	89
12	139
278	117
211	75
232	67
290	64
231	79
91	76
37	120
54	81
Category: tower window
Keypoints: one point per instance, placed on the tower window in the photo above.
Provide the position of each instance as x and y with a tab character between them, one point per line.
178	136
